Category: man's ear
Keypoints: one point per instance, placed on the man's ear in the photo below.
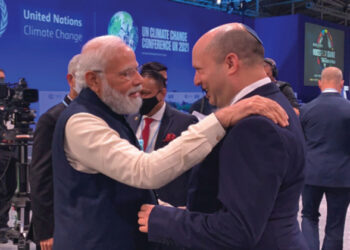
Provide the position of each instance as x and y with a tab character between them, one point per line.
163	91
231	62
92	81
320	84
342	84
70	80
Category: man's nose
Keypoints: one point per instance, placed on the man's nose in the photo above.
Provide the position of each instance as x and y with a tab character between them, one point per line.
138	79
196	79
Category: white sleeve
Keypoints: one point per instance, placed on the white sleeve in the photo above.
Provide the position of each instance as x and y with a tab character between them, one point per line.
91	146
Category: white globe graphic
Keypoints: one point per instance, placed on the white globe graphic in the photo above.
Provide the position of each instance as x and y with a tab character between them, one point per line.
121	25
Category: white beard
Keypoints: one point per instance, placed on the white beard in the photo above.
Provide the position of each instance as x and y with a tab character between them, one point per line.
119	103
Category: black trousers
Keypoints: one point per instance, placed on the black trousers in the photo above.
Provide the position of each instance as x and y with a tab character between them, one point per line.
7	183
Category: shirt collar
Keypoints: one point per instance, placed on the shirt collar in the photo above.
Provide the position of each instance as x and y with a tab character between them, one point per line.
330	90
250	88
158	115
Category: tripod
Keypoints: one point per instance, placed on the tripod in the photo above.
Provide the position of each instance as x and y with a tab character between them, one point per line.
21	200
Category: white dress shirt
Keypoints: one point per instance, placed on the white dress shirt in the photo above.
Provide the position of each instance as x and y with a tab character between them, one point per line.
91	146
250	88
330	90
153	128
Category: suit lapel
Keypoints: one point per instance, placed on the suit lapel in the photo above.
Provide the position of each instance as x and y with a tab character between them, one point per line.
164	127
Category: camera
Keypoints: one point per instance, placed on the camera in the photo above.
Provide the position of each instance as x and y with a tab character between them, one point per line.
15	114
15	136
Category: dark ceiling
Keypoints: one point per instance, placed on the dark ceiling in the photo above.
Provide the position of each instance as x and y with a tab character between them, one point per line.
335	11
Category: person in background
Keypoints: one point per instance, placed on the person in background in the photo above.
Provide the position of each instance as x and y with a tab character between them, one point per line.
157	124
40	170
202	106
158	67
326	123
272	72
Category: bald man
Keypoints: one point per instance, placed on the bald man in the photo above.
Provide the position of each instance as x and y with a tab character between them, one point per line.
247	190
101	178
326	122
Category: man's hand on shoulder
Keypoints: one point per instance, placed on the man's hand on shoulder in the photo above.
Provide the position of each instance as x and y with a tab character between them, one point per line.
255	105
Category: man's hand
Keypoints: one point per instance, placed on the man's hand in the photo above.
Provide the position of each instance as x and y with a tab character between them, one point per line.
255	105
46	244
143	214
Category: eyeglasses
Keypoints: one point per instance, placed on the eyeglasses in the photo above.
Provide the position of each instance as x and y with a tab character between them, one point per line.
129	73
126	74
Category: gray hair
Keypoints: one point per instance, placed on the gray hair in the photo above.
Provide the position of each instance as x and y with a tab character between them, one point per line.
94	56
73	64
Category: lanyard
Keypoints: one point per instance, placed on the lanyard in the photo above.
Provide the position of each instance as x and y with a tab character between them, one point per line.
65	103
150	142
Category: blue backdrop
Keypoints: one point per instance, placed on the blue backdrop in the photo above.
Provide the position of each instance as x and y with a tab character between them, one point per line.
38	38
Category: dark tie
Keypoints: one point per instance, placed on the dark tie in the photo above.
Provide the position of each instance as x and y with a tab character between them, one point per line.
145	132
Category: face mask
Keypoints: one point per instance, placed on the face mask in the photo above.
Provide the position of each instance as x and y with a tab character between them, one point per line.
148	104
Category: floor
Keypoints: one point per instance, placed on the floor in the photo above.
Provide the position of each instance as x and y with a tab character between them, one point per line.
323	211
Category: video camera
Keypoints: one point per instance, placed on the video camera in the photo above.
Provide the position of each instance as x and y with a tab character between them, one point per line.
15	114
15	135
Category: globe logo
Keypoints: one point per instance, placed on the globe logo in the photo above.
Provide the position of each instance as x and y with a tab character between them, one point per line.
121	25
3	17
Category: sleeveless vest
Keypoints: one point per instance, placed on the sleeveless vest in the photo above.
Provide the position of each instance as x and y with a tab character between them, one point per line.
93	211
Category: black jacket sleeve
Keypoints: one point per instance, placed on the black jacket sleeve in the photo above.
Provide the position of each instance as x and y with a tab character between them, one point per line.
40	176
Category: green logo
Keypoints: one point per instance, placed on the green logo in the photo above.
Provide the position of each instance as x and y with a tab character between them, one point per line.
121	25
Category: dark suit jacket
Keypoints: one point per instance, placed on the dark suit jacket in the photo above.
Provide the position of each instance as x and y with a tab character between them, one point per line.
202	106
257	174
326	125
40	174
288	91
174	122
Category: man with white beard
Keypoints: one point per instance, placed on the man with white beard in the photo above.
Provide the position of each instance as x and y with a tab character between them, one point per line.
101	178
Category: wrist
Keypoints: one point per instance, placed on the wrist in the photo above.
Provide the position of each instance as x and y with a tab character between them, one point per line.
222	117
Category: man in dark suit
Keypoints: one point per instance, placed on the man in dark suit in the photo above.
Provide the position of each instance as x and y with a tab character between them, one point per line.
40	171
202	106
326	123
167	124
254	175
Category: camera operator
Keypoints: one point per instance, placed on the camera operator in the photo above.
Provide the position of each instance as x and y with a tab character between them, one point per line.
7	180
40	171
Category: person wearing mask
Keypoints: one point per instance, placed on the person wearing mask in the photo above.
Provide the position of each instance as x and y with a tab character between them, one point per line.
156	125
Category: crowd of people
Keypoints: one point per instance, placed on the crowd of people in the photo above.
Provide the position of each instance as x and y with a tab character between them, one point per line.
116	167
